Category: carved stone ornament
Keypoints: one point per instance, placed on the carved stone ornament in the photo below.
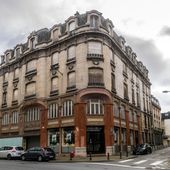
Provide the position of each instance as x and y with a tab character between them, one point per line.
30	77
15	84
96	62
54	72
70	67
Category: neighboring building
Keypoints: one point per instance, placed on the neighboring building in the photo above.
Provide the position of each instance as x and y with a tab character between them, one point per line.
75	87
157	130
166	126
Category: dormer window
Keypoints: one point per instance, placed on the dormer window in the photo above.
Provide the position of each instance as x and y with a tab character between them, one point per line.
110	29
72	26
33	42
94	21
17	52
55	34
8	56
2	59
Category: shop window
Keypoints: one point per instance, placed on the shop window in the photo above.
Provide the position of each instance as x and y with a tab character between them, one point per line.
96	77
95	107
67	108
53	111
53	138
68	136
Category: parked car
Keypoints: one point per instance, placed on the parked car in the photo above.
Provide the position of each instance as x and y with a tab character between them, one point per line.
10	152
38	153
142	149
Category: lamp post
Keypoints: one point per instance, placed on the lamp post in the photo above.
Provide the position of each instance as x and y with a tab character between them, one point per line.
120	132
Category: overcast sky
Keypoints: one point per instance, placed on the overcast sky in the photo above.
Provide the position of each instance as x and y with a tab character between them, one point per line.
145	25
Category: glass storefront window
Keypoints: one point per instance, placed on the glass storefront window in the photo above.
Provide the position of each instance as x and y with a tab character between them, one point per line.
68	136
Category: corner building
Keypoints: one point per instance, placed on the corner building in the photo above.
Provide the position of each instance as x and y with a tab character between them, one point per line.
76	86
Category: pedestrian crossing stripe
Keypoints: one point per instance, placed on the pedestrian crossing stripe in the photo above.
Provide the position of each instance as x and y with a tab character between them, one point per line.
127	160
139	162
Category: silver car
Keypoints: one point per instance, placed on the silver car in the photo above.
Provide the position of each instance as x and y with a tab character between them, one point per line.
10	152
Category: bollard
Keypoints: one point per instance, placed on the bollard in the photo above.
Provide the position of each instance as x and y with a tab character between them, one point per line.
108	156
90	156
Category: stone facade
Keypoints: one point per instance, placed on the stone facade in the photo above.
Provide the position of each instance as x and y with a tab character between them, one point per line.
75	87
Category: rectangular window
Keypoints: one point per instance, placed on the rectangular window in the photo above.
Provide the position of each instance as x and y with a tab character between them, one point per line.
96	76
14	117
94	47
113	82
32	114
33	43
53	111
67	108
15	94
94	107
16	73
55	58
125	91
4	98
31	65
71	79
71	52
5	119
31	89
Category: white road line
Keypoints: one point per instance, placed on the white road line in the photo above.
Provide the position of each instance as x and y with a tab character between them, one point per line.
118	165
139	162
127	160
158	162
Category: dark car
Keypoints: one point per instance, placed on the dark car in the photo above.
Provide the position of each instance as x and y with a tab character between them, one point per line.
38	153
142	149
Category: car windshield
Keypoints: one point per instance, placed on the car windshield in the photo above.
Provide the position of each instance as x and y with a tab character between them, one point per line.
19	148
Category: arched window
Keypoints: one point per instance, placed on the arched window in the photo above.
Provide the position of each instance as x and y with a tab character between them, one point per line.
54	84
94	21
72	26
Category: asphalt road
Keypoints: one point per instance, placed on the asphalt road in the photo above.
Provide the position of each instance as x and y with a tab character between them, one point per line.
157	160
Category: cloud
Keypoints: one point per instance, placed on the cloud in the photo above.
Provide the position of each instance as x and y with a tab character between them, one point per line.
165	31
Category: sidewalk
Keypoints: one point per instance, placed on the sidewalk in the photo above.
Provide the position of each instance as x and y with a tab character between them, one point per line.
93	158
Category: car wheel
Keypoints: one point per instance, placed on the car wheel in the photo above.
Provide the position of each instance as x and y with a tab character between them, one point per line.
8	156
23	158
40	158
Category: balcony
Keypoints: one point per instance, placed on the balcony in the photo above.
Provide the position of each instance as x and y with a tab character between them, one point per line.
98	57
95	84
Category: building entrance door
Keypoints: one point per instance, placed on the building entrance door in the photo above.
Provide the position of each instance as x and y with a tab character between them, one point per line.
95	140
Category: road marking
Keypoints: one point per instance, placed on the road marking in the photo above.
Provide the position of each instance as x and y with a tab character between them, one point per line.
139	162
158	162
127	160
118	165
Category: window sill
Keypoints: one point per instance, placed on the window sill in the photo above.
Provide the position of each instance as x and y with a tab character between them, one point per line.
31	73
5	83
54	66
4	105
95	84
16	80
33	96
71	88
14	102
53	93
71	60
